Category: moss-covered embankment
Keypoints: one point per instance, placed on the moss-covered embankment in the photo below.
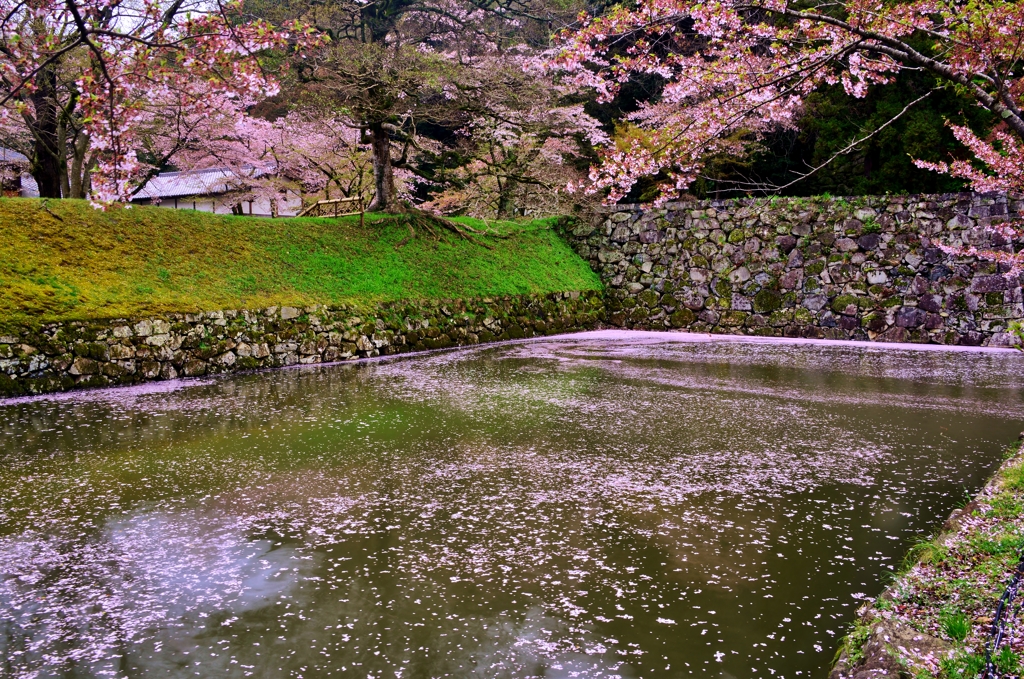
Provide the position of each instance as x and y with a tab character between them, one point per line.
935	619
66	261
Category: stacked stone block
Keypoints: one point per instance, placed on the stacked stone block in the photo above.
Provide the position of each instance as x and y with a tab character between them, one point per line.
61	356
863	268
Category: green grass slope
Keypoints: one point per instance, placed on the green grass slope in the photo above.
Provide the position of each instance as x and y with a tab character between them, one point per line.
64	260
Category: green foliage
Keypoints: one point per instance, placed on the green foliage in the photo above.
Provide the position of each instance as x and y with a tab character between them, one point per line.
1007	661
1017	329
963	665
883	164
925	551
955	625
855	641
1004	544
1006	505
89	263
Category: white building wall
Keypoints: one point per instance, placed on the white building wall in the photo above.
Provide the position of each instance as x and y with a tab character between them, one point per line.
289	206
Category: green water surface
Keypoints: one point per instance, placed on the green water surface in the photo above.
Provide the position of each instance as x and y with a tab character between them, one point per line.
605	505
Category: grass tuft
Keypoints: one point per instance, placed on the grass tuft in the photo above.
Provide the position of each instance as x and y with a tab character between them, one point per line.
956	626
1007	662
963	665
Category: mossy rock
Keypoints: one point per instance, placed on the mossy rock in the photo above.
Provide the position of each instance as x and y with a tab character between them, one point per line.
93	350
994	298
872	318
736	236
840	303
802	316
815	268
444	341
649	298
723	288
767	301
93	381
247	363
734	318
639	315
10	387
682	318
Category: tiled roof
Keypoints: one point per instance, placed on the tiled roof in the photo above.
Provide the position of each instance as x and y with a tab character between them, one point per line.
195	183
9	156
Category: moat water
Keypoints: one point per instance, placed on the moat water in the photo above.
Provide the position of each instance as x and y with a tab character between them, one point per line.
599	505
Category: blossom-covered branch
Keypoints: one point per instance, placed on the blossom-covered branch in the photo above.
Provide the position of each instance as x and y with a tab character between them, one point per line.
735	70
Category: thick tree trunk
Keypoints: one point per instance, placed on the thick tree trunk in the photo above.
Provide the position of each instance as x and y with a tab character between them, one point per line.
46	152
507	199
383	173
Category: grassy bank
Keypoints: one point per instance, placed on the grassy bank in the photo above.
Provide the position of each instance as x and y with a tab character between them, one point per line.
936	617
64	260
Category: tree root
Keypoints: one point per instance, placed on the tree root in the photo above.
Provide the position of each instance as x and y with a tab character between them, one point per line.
485	232
44	206
414	218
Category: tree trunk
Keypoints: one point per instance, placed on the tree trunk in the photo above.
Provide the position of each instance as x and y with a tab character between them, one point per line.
80	168
507	199
46	152
383	173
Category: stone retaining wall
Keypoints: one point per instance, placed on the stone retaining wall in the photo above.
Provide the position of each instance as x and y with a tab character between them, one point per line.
61	356
861	268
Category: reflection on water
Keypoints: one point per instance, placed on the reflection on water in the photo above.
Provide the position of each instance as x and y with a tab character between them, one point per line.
605	505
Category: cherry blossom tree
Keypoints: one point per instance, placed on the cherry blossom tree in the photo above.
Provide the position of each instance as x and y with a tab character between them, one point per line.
734	70
312	152
1004	172
92	83
396	67
524	139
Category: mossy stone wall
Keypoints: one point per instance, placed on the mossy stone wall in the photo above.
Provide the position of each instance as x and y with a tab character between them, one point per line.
868	268
67	355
